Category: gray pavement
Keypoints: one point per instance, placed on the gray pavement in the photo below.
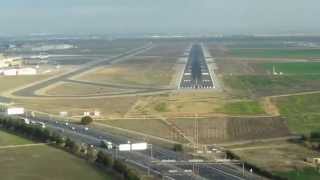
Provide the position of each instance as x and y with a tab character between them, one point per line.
197	74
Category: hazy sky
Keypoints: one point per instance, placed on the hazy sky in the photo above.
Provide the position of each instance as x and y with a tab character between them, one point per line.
159	16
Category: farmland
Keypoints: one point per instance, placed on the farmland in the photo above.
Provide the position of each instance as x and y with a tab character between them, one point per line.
275	53
231	129
264	85
31	163
302	112
294	67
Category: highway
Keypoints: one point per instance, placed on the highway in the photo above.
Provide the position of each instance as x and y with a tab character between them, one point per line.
143	159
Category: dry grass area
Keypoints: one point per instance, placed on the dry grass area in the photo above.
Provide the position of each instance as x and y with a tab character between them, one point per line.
275	156
229	66
75	107
147	71
154	127
167	49
226	129
179	104
13	82
78	89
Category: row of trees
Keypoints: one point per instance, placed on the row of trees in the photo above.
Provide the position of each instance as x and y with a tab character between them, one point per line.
82	150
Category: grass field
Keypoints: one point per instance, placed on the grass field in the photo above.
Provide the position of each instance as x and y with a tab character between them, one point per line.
294	67
12	82
281	158
242	108
45	163
306	173
42	162
74	89
302	112
76	107
275	53
181	103
10	139
262	85
150	71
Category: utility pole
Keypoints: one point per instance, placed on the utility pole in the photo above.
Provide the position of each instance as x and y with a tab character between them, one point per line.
243	171
196	133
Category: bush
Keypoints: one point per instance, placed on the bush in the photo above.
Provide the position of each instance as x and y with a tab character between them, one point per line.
315	135
86	120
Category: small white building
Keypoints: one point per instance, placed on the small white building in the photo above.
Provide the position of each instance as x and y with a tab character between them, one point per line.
26	71
10	72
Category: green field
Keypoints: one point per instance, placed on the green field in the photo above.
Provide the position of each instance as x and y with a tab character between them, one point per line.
275	53
10	139
294	67
242	108
302	112
262	85
307	174
42	163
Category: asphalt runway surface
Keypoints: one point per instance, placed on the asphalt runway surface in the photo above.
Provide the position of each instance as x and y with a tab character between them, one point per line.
196	74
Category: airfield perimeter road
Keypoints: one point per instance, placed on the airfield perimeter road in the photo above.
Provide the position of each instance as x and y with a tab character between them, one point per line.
142	159
29	91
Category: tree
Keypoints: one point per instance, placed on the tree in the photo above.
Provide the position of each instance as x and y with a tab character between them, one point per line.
177	147
104	159
119	167
131	175
91	154
86	120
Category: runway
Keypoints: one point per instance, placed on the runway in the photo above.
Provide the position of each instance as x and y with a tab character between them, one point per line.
197	74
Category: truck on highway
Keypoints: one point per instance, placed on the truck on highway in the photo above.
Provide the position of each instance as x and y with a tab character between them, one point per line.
106	144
